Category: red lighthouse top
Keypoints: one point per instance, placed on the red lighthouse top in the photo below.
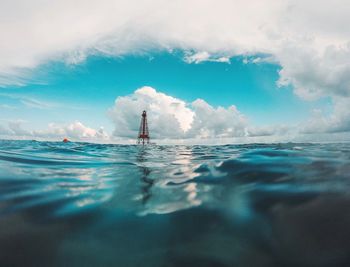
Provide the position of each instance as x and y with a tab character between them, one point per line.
143	136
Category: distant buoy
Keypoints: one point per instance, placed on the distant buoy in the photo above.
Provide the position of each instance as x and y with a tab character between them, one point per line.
65	140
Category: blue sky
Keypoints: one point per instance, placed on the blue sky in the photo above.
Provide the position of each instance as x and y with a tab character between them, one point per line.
236	70
63	93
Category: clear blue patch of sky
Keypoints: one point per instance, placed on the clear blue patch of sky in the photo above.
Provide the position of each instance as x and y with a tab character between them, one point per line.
86	91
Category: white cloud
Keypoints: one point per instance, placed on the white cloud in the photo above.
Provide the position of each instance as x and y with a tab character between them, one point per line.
75	131
274	130
170	117
210	122
309	39
336	122
15	128
198	57
314	74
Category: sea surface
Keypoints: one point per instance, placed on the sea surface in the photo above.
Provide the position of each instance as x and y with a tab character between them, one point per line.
81	204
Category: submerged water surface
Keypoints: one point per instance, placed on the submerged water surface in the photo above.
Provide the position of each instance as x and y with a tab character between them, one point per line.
80	204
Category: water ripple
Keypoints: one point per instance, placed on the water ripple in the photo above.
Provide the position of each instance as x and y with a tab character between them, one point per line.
239	193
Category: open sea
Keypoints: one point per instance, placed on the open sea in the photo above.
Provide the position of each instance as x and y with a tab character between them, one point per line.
81	204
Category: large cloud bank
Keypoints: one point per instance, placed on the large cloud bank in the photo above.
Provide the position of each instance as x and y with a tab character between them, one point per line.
309	39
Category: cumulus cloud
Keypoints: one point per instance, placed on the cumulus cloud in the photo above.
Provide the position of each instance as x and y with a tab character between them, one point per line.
174	118
211	122
75	131
336	122
171	117
318	74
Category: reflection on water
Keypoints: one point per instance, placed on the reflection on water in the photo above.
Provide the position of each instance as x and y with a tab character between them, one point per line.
145	172
80	204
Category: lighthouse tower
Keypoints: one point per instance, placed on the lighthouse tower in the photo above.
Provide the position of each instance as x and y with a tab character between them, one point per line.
143	137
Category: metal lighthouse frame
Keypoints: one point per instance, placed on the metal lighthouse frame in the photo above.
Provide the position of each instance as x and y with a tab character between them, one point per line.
143	136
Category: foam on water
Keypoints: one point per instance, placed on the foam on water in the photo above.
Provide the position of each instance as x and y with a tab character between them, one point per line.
81	204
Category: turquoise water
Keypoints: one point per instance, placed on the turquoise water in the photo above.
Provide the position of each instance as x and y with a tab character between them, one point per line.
80	204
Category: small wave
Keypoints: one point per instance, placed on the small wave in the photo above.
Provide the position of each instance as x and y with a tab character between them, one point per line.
232	204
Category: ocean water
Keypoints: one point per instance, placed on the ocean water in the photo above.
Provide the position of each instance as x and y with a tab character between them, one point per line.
81	204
